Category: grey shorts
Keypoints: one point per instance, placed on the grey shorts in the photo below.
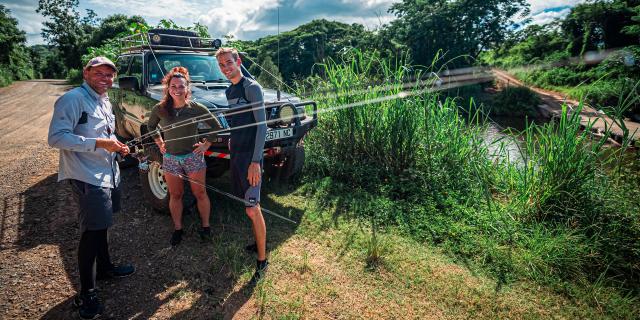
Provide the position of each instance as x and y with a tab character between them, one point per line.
97	205
183	164
239	167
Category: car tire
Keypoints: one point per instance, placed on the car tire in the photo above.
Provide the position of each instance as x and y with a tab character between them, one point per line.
154	186
292	167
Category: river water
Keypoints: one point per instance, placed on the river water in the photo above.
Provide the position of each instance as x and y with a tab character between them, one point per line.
507	132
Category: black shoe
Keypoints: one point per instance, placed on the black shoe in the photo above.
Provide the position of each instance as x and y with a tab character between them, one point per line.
252	247
176	237
261	270
90	305
205	234
116	272
77	301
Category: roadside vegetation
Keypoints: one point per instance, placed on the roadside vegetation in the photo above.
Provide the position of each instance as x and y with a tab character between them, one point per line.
15	61
559	215
592	54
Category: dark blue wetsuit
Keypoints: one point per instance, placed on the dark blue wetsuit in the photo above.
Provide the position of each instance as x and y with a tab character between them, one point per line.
248	132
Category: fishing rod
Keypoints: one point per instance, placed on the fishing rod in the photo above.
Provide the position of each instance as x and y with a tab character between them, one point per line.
399	95
434	79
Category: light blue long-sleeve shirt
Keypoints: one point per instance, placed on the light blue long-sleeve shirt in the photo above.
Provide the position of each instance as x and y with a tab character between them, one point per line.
81	116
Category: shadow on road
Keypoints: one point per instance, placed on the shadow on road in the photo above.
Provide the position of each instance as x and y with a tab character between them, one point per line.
192	281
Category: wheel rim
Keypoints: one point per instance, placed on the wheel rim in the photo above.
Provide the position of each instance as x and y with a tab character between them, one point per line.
157	183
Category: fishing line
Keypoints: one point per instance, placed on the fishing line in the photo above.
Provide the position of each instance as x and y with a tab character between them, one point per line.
434	78
400	95
214	189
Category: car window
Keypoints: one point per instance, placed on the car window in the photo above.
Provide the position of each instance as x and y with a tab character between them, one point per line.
123	64
136	68
201	67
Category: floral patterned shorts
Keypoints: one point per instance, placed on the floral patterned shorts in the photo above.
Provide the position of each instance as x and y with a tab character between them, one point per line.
183	164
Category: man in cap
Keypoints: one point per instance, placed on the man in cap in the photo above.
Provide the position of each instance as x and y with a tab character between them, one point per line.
82	128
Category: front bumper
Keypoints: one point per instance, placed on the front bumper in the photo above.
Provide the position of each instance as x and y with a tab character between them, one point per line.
219	148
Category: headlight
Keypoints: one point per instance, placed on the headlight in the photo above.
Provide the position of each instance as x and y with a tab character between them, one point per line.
287	114
155	38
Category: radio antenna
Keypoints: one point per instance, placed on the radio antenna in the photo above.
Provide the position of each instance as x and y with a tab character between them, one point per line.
278	49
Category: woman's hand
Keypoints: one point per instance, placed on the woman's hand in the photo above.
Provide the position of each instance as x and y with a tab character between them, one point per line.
201	147
160	144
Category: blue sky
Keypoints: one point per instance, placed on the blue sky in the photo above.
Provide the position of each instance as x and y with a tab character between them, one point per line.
251	19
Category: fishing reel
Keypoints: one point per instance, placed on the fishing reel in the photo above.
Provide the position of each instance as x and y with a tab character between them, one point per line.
143	163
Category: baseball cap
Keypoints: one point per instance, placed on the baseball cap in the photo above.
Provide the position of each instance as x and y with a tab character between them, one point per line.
98	61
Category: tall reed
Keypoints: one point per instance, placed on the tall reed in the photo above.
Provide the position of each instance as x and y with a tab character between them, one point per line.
554	213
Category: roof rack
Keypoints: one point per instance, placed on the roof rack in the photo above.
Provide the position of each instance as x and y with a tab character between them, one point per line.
165	40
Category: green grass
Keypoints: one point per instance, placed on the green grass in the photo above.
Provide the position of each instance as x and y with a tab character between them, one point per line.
411	278
421	167
5	76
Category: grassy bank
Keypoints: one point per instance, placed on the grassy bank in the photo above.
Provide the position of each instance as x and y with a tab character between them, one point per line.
326	270
331	265
415	165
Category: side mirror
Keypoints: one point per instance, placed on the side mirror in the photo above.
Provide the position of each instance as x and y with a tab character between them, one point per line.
128	82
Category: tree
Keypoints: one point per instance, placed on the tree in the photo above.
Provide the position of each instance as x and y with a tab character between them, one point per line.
599	24
66	29
112	27
459	27
300	49
528	46
47	63
10	36
15	63
634	29
270	75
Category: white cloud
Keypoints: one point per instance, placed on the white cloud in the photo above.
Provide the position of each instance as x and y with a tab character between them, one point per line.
371	3
548	16
161	9
28	20
540	5
233	17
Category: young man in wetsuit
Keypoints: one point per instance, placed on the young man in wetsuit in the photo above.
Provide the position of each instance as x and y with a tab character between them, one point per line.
248	132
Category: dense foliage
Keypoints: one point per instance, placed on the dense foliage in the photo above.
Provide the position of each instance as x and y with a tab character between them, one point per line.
553	211
307	45
15	62
459	27
545	55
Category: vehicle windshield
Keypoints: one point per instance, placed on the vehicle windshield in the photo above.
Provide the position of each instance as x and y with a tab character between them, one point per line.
201	67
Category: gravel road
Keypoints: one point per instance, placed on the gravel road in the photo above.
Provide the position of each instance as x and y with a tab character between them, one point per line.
39	234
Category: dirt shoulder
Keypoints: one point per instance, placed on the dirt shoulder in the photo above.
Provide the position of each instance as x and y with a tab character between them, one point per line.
553	102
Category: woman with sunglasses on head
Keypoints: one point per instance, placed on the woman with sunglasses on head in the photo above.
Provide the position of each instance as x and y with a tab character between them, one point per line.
183	150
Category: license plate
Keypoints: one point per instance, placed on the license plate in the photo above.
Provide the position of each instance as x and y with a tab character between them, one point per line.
279	134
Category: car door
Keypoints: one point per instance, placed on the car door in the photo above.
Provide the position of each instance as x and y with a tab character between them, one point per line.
136	102
115	96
